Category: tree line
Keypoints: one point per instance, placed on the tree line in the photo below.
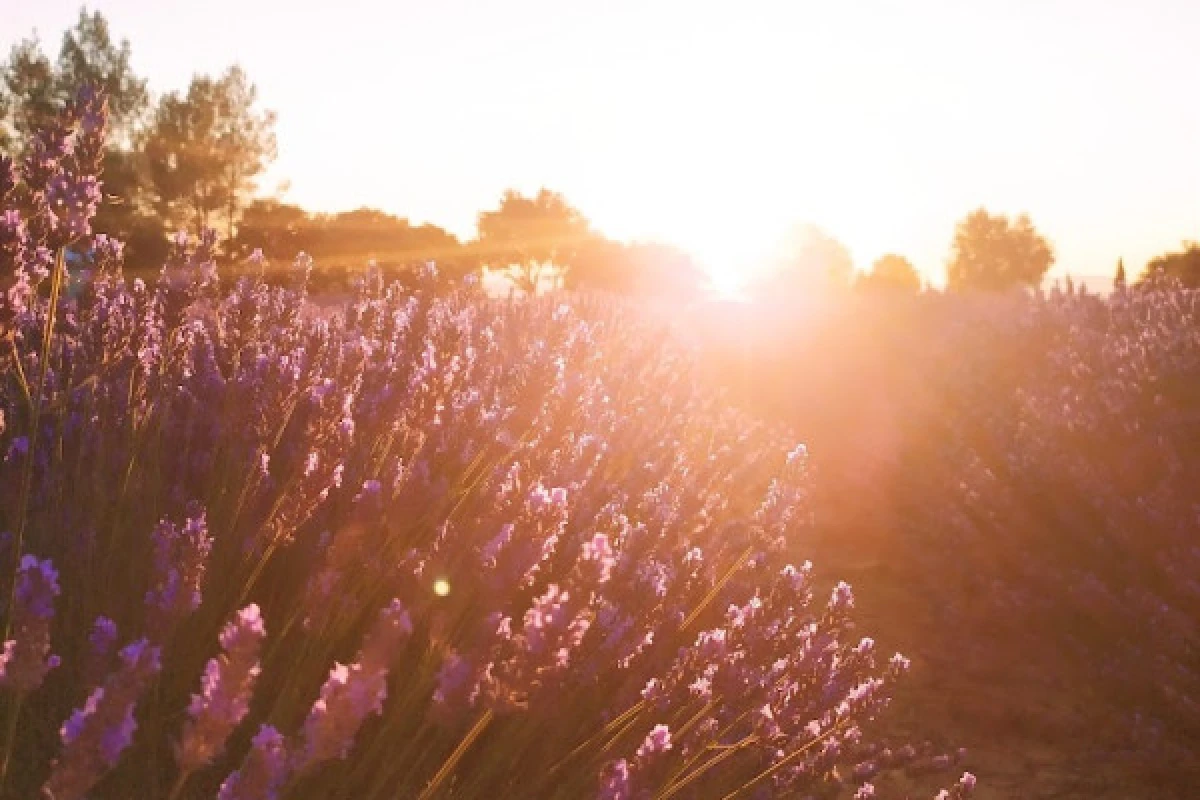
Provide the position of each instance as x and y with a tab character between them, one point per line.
194	157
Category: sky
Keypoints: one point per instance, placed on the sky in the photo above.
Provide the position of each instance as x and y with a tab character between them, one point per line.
716	126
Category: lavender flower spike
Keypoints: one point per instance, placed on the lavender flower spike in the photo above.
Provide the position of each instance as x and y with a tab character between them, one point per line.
615	782
95	736
180	558
657	741
353	692
226	686
26	660
264	771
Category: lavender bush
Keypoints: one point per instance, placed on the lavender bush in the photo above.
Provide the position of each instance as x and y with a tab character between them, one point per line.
431	545
1021	471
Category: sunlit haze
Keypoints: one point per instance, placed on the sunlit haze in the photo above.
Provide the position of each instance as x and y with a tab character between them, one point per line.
716	126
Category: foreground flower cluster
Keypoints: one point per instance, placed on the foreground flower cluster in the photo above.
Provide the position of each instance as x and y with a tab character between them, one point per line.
431	545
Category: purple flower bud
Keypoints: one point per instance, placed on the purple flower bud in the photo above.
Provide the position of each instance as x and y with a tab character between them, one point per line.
263	772
226	686
72	202
599	552
180	559
657	741
95	735
454	686
353	692
26	658
615	782
842	599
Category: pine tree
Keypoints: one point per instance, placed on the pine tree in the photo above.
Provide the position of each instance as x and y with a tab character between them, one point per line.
1119	280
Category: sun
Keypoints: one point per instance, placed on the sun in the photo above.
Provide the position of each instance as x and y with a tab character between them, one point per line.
733	263
734	240
726	281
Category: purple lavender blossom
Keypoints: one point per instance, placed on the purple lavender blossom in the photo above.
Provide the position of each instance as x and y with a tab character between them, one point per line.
95	735
453	689
72	200
348	697
26	658
615	781
14	239
226	686
108	253
90	110
180	559
842	598
598	554
657	741
353	692
263	772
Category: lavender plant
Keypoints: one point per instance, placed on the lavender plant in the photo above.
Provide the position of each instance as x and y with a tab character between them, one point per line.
432	545
1024	479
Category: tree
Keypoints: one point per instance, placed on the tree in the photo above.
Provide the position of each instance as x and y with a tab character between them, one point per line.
348	239
993	253
600	263
812	262
88	55
892	273
1119	279
1183	266
280	230
206	149
526	237
34	89
28	93
642	268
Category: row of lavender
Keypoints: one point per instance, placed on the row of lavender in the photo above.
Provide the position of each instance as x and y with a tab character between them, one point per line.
1031	464
432	545
1080	477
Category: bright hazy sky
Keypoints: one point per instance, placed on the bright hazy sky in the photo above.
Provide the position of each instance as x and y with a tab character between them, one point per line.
715	125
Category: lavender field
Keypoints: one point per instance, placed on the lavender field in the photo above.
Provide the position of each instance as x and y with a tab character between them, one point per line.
432	543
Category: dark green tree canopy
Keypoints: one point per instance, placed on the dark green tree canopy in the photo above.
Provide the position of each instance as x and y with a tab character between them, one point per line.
207	148
34	88
90	56
992	252
28	94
